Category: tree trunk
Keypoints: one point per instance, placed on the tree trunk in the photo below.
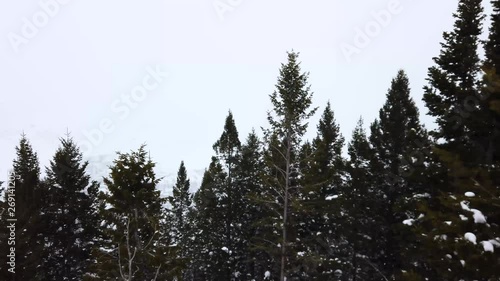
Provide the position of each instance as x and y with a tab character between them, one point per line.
285	208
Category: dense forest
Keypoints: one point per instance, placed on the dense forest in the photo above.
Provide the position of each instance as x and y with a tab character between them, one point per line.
397	202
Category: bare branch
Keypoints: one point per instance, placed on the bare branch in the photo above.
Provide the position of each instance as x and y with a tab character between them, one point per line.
376	269
157	272
120	263
268	241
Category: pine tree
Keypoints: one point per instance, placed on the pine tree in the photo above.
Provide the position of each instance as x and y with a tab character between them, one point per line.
25	185
269	238
68	214
463	223
322	181
220	207
209	257
227	150
138	246
291	109
400	142
453	86
360	200
181	203
249	178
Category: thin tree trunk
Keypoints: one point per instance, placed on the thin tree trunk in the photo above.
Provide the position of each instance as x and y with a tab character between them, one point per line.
229	219
285	209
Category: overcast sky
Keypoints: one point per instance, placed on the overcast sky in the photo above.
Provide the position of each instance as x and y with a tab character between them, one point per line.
117	74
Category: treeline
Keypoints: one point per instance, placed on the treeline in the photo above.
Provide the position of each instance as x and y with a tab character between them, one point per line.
405	204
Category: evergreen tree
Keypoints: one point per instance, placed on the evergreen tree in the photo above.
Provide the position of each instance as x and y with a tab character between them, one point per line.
453	82
399	142
360	200
180	202
219	206
68	214
291	108
249	178
209	255
462	226
322	181
138	245
227	150
24	184
270	200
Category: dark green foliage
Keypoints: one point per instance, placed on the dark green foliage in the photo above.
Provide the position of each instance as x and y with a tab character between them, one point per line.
467	153
69	218
292	103
24	182
209	259
492	46
453	83
138	242
359	200
180	202
254	231
227	150
401	206
323	170
400	144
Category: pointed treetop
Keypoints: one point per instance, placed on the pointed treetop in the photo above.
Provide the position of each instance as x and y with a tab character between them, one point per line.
292	100
182	183
359	146
462	43
228	142
399	106
359	127
67	150
328	129
453	81
252	137
26	162
67	163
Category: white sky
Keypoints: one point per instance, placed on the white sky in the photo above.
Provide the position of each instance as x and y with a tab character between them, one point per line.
74	69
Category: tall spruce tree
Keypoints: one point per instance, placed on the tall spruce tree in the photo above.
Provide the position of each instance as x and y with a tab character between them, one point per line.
24	185
68	214
468	201
249	178
319	214
209	255
219	206
360	199
399	142
228	149
180	202
462	226
292	102
453	82
271	201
